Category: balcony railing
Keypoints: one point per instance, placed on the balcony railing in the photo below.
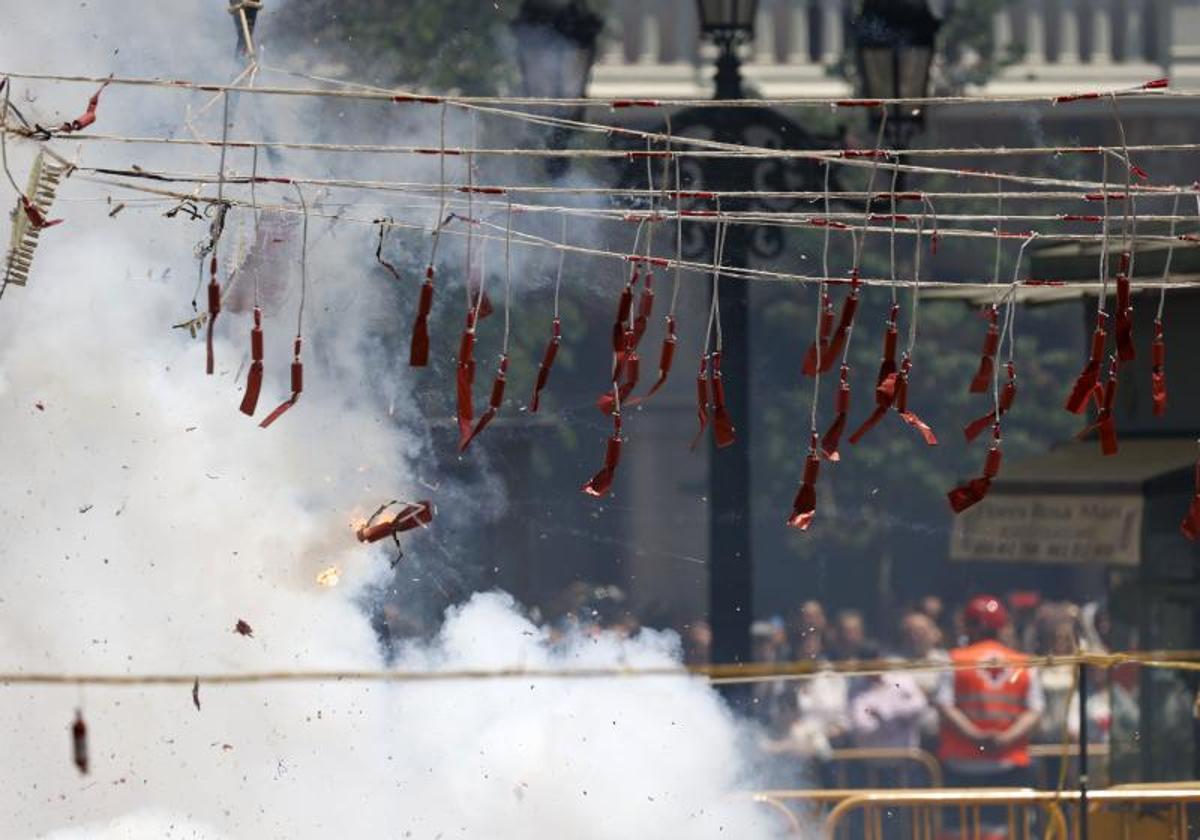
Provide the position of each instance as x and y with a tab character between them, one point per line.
654	49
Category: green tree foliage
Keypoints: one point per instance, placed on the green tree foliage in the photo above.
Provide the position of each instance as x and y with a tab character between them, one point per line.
443	45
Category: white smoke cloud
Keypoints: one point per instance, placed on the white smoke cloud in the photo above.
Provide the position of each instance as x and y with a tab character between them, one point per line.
143	516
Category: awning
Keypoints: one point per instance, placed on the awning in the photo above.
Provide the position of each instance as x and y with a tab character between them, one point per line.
1073	505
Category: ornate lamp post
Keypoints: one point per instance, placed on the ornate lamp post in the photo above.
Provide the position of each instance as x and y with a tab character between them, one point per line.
894	41
729	24
556	48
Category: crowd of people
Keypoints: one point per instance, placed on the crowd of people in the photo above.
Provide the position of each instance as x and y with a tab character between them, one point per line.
978	721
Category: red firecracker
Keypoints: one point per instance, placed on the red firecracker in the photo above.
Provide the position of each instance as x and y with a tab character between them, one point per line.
1105	422
494	402
1158	374
214	309
464	380
723	431
832	438
297	386
974	490
982	380
804	506
1123	328
600	483
1085	383
1190	526
406	518
701	400
548	357
825	330
254	378
418	355
1008	394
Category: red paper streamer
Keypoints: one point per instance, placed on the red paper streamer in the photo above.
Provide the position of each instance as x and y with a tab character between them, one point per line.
804	505
723	431
1008	394
1158	375
87	117
701	400
982	380
1085	383
494	402
214	309
665	357
901	405
543	374
885	382
974	490
1190	526
1123	327
464	380
842	331
254	378
600	483
832	437
297	386
36	217
418	355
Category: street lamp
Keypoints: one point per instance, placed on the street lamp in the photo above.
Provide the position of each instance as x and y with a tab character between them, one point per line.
895	44
556	47
728	23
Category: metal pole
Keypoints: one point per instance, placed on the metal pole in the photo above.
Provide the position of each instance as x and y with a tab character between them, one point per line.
1083	752
730	568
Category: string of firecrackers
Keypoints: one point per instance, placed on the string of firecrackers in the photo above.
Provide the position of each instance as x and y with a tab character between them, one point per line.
1155	88
719	674
875	222
890	388
530	240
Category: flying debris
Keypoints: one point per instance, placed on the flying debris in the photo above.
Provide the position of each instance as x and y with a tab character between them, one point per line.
79	742
406	517
244	629
30	217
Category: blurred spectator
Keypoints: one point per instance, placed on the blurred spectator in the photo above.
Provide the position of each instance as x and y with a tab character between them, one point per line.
921	639
849	635
987	711
820	705
1058	681
1107	700
808	618
933	608
697	642
885	709
771	703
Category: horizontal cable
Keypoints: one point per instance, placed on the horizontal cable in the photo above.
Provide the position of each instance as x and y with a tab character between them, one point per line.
721	674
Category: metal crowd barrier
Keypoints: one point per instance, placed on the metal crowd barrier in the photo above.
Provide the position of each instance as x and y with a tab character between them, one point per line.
1046	767
1142	812
874	763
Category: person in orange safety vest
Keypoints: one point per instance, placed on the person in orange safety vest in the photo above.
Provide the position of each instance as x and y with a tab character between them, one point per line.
987	712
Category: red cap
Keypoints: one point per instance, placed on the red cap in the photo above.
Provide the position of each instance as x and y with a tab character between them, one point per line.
986	613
